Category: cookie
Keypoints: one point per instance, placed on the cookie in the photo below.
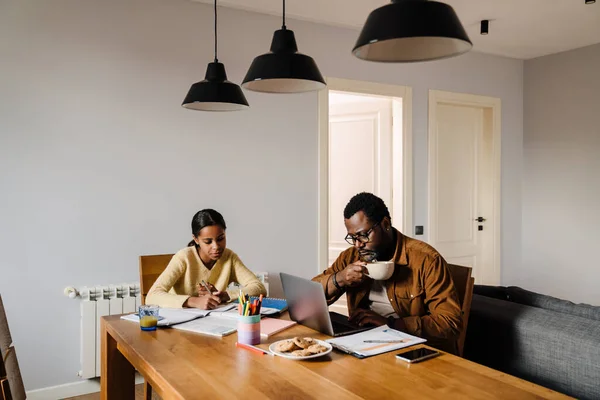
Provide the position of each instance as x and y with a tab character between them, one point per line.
301	353
316	349
286	346
304	343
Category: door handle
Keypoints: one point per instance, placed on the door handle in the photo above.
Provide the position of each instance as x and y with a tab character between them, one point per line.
480	219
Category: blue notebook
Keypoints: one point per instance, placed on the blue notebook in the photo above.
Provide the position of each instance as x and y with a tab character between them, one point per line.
271	302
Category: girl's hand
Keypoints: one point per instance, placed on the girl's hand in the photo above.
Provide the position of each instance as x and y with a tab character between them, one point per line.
205	302
224	296
202	290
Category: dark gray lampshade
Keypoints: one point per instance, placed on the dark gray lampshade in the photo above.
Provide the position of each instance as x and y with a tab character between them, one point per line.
411	31
215	92
283	69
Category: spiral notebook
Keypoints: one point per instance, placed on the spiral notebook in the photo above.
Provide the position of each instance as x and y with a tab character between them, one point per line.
373	342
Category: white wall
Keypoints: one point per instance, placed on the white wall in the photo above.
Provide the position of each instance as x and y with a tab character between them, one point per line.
561	176
99	163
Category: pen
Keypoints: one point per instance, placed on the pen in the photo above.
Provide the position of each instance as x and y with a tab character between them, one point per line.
260	299
253	348
386	341
206	286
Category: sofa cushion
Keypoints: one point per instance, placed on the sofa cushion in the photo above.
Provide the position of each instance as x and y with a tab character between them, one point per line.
522	296
496	292
553	349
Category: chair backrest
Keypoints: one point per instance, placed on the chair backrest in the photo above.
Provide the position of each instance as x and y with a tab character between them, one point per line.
151	267
4	388
464	282
11	382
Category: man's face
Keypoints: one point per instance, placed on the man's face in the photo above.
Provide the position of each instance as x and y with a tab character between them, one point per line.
362	230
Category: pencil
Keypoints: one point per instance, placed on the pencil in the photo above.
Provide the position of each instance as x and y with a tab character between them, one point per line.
252	348
387	341
206	286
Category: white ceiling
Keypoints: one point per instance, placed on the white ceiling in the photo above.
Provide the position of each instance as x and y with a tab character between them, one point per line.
519	28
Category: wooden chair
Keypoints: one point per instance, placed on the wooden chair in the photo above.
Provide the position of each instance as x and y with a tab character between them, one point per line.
464	282
11	382
150	269
4	387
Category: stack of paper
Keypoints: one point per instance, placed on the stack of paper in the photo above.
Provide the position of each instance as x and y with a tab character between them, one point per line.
272	326
375	341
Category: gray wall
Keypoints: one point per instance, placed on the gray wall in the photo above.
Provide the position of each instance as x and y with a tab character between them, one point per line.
561	176
99	163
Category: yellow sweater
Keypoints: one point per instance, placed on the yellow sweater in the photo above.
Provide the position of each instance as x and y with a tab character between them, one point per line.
185	270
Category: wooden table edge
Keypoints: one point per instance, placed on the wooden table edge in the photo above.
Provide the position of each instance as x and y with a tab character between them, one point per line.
161	386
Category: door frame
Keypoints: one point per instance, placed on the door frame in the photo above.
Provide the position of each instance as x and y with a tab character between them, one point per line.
464	99
405	180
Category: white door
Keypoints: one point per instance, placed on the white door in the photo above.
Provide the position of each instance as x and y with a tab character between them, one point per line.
360	158
461	187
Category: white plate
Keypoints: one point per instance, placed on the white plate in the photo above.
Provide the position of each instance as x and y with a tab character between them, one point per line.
292	357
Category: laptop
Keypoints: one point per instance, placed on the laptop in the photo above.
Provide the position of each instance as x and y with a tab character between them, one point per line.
307	306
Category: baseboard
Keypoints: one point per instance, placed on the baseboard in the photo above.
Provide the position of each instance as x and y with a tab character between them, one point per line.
71	389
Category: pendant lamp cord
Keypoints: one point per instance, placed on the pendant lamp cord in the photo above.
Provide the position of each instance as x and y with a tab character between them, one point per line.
283	26
216	59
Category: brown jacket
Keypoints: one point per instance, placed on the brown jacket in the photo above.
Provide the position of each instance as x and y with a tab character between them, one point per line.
421	291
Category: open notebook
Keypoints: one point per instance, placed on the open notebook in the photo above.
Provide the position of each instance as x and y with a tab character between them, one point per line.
214	324
218	322
174	316
375	341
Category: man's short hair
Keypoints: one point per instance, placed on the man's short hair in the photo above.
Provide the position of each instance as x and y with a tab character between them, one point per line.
373	207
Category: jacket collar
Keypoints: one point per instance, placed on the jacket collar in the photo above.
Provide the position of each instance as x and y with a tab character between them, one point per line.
400	254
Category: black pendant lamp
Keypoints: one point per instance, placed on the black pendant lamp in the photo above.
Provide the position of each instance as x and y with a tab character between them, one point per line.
411	31
283	69
215	92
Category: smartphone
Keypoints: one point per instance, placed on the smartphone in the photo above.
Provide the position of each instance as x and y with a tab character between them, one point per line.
415	356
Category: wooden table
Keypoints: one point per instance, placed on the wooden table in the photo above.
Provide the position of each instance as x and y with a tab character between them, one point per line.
183	365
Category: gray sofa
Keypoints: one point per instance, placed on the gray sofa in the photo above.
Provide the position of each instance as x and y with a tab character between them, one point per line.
542	339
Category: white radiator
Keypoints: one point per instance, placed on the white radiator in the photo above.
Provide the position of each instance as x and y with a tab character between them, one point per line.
98	301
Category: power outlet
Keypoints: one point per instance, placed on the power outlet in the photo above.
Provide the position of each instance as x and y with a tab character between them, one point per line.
419	230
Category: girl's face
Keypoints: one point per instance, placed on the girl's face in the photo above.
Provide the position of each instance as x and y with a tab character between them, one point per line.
212	242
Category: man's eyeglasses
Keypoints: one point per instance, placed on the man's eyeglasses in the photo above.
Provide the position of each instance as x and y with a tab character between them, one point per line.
361	237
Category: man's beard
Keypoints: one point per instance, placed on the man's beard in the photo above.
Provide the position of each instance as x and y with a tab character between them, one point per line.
368	255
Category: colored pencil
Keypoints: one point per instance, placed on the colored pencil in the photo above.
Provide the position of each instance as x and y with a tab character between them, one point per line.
254	349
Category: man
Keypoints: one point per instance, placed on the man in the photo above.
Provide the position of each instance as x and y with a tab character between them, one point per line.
419	298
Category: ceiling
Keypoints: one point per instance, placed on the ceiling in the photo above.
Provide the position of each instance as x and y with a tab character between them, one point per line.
521	29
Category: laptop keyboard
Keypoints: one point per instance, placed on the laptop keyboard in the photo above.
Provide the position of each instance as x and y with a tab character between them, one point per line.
341	328
340	323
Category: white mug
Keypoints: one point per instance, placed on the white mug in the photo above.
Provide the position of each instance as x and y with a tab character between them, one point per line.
381	270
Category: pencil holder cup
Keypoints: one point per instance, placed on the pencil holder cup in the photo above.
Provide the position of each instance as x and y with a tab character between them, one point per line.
248	328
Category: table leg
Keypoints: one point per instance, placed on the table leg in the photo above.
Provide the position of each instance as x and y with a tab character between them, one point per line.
117	380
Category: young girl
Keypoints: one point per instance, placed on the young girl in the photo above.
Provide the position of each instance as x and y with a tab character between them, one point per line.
205	259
